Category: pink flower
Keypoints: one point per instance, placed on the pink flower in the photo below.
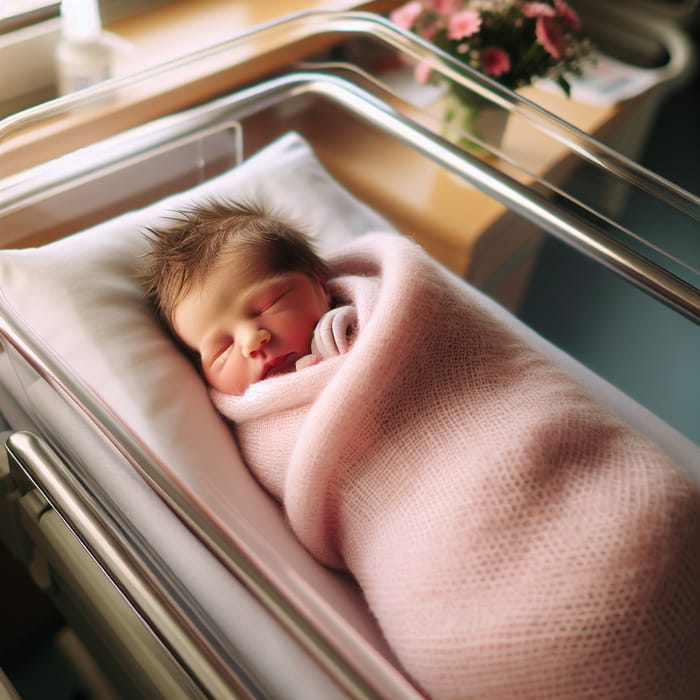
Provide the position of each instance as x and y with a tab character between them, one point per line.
495	61
407	14
422	72
551	36
463	24
538	9
444	7
568	14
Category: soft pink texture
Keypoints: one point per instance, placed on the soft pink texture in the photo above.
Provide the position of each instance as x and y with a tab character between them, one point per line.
512	539
422	72
538	9
551	36
463	24
407	14
568	14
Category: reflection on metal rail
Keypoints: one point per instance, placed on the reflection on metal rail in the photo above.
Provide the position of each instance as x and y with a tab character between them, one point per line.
299	27
59	488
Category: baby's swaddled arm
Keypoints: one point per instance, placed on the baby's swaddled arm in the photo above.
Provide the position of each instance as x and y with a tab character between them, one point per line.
333	335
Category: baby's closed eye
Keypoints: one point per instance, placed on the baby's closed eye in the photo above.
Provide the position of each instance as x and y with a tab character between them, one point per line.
222	351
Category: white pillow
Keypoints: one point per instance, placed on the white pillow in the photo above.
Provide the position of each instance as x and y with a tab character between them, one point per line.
80	296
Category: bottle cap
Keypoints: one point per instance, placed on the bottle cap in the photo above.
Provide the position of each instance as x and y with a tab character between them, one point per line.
80	20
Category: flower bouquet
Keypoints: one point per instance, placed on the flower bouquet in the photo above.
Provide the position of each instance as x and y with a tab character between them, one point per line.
512	41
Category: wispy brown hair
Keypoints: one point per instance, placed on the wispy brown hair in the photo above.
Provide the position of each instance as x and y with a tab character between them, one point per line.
183	253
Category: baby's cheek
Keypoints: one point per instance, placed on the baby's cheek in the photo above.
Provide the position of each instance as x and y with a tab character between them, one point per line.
301	336
227	378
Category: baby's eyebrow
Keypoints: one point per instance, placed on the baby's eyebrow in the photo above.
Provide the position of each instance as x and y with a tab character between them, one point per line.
268	282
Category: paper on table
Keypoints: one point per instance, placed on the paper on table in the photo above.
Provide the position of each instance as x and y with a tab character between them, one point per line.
606	81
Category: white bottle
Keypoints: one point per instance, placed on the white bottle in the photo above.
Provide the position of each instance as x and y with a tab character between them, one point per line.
83	56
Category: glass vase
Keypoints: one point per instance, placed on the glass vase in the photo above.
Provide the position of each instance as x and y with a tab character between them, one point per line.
473	122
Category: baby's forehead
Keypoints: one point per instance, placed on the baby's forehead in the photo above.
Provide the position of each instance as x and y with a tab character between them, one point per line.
242	262
254	260
242	275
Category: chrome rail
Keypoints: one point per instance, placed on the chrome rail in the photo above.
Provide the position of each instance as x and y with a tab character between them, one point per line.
62	492
299	27
574	230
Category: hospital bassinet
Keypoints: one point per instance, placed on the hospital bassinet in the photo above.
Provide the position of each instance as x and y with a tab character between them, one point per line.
122	489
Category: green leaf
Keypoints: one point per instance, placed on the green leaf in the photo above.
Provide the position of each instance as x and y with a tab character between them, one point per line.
564	85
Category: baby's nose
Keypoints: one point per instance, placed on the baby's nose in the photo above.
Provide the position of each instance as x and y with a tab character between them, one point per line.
255	341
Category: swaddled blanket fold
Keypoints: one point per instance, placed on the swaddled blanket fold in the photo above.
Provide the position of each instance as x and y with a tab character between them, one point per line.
512	538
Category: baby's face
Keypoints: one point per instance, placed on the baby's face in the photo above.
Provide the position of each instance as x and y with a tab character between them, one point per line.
247	327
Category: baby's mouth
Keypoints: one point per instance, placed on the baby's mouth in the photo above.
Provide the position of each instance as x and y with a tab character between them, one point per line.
280	365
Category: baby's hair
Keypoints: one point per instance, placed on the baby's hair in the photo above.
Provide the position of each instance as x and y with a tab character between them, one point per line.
183	253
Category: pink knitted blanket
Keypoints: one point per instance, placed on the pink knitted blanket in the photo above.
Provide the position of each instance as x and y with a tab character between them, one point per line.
512	539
